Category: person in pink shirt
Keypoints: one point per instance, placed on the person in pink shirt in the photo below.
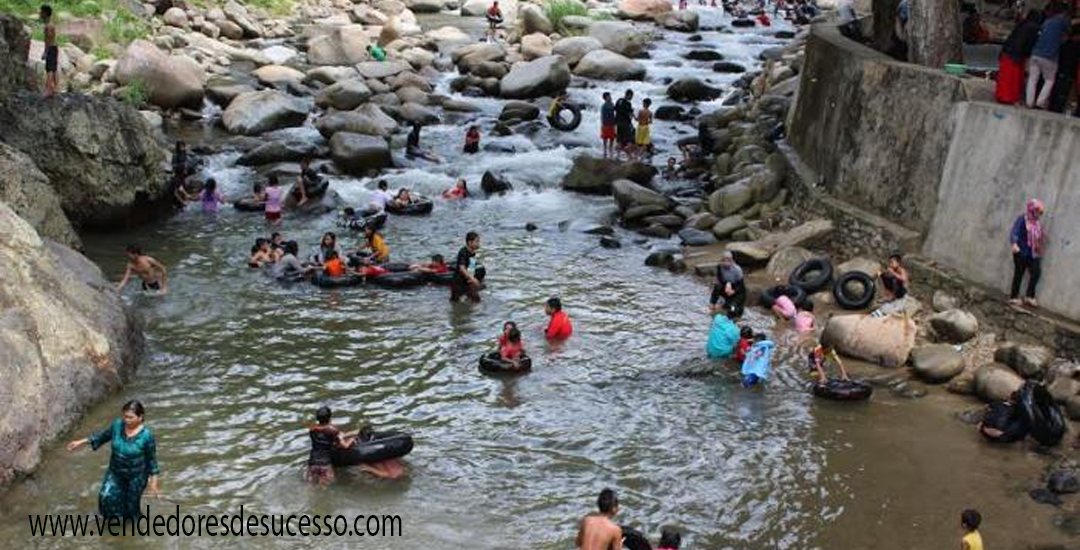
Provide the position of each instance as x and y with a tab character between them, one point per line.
274	196
804	319
784	307
559	328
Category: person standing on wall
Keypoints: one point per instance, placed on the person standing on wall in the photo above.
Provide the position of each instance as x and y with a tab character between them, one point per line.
1009	89
1027	238
1044	58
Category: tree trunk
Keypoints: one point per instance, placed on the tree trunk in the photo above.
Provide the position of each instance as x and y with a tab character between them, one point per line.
884	20
934	37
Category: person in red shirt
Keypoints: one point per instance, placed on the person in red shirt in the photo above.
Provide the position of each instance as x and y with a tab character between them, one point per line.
513	348
436	267
559	328
460	190
746	339
505	336
334	267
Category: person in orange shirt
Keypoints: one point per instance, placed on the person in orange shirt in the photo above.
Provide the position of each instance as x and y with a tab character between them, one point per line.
333	266
559	328
513	348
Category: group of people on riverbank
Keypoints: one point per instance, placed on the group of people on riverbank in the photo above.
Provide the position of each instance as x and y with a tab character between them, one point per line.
617	133
1040	60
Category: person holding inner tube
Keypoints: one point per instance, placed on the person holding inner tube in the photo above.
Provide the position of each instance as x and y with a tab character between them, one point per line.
817	359
325	437
559	327
333	266
513	348
895	278
555	107
437	266
465	281
288	265
1027	239
375	244
729	286
597	531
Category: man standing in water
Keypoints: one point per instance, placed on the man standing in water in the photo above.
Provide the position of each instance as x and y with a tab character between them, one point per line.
465	281
607	125
624	123
597	531
153	274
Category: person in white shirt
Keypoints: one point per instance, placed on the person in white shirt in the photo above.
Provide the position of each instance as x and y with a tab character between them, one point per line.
381	196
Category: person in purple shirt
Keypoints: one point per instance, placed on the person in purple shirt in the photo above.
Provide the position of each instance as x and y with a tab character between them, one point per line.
1027	238
1044	57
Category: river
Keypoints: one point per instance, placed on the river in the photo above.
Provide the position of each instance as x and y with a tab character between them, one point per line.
238	364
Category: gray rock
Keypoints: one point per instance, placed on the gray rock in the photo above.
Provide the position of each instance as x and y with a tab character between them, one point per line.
238	14
1027	361
937	363
692	89
540	77
412	112
641	211
610	242
1063	482
865	265
996	383
619	37
170	81
68	340
702	220
367	120
378	70
358	154
656	231
628	194
29	193
786	260
519	111
679	21
725	227
330	75
223	92
278	76
1064	389
729	200
574	48
345	95
944	301
608	65
254	113
533	20
696	237
727	67
955	326
101	157
595	175
534	46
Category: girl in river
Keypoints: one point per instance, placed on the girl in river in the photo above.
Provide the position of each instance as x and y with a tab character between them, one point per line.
210	197
133	465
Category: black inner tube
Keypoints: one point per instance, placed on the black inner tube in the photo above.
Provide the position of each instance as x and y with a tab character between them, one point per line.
843	390
399	279
860	301
384	446
249	205
812	275
560	123
1042	414
492	363
419	207
797	295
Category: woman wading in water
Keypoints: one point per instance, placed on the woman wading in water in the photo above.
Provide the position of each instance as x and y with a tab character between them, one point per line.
132	466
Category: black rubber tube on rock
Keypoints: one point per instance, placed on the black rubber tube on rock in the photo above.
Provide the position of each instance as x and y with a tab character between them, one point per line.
861	301
797	295
820	268
843	390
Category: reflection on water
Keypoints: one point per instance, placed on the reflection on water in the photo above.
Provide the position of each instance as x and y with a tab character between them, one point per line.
239	363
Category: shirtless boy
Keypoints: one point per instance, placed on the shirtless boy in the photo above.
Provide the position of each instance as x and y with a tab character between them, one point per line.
597	531
149	270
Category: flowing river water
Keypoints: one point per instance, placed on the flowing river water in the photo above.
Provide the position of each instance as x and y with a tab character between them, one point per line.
238	364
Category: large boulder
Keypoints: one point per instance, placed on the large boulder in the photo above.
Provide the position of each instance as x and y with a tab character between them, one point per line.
67	339
170	81
643	10
786	260
1027	361
692	89
344	95
595	175
368	120
533	19
344	45
996	382
14	51
731	199
378	70
724	228
278	151
518	111
254	113
425	6
535	46
238	14
620	37
886	341
608	65
572	49
29	193
866	265
680	21
478	8
358	154
278	75
937	363
544	76
759	251
629	194
956	326
468	58
101	157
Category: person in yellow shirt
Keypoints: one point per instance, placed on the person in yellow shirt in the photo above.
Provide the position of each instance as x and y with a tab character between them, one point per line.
970	521
379	252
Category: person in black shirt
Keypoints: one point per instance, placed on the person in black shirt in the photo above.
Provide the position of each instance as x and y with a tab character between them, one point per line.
624	122
467	274
412	146
325	437
1068	59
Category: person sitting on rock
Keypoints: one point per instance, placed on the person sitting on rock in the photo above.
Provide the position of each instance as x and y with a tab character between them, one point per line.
894	280
729	286
817	359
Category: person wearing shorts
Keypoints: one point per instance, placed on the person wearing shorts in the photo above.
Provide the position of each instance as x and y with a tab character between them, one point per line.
607	125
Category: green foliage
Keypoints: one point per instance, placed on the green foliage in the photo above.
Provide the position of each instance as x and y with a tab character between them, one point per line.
135	94
276	8
557	10
122	27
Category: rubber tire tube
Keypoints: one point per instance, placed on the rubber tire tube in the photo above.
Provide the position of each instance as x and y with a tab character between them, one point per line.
492	363
384	446
797	295
824	269
860	302
575	121
248	205
843	390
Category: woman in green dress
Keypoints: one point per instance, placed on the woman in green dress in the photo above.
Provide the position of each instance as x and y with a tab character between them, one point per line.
132	466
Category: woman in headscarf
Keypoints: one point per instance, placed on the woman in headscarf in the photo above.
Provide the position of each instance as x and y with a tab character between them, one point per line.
1027	238
1013	58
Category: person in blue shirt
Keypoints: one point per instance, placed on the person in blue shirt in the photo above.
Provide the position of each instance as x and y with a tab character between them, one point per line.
1027	238
1044	58
607	125
723	336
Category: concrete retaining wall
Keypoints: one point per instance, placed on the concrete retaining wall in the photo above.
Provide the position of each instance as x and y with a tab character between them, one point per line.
876	130
999	157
